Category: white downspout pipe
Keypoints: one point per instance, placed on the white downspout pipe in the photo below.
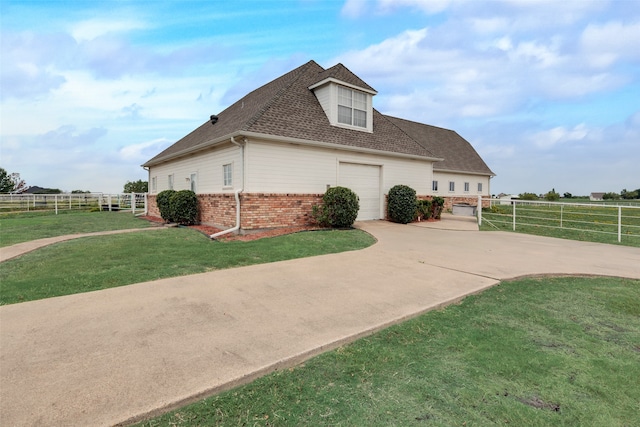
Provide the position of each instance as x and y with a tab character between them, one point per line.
237	195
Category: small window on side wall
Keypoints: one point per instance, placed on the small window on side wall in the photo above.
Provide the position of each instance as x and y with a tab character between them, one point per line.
227	172
434	185
466	187
154	184
479	187
170	182
452	186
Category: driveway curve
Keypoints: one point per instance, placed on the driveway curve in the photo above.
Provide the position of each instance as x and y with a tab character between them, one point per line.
117	355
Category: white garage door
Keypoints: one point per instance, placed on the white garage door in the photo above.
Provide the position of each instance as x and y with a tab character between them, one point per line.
364	180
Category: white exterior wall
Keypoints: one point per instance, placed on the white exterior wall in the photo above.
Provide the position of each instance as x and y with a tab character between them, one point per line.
288	168
208	167
444	178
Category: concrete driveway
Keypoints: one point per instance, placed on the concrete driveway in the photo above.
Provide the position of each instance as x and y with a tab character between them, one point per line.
112	356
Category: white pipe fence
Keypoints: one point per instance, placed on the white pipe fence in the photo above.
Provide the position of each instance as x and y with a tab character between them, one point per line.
54	203
605	218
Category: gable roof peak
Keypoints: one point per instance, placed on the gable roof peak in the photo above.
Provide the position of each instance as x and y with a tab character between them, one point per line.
342	74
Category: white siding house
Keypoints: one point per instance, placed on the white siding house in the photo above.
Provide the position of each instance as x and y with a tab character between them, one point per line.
281	146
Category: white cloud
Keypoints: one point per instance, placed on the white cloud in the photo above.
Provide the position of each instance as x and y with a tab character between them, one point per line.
143	151
605	44
93	28
559	135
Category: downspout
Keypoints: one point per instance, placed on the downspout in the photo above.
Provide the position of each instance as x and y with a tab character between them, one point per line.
237	195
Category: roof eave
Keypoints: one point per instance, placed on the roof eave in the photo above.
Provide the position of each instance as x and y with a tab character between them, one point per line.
190	150
334	146
463	172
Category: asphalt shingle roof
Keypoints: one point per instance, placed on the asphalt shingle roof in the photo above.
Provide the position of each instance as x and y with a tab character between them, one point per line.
457	152
286	107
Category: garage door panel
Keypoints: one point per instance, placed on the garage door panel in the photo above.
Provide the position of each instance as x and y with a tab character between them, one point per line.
364	180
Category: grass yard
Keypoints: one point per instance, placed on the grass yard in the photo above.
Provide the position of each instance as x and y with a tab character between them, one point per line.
585	223
101	262
18	228
533	352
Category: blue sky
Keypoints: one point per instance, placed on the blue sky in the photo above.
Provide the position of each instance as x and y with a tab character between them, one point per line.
548	92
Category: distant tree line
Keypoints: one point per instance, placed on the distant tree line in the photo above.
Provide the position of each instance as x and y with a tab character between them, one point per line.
554	196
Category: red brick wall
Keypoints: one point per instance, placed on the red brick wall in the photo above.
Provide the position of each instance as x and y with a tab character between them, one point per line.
261	210
258	210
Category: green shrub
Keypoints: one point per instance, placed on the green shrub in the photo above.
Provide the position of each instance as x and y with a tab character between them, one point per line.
423	209
437	205
339	208
528	196
184	207
163	200
401	204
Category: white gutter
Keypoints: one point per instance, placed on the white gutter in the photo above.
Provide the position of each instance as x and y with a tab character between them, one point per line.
237	195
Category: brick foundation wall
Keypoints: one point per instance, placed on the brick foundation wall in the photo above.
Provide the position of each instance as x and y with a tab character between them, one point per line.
152	206
261	210
448	201
258	210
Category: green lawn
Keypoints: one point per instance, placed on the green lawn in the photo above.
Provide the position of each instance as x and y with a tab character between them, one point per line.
534	352
585	223
101	262
18	228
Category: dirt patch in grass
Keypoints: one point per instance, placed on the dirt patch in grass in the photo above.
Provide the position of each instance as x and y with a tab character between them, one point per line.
538	403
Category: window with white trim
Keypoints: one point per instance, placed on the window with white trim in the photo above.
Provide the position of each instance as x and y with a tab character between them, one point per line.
170	182
434	185
452	186
193	179
352	107
479	187
466	187
227	173
154	184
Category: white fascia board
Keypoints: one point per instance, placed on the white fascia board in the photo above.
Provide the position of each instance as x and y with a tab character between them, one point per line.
341	83
333	146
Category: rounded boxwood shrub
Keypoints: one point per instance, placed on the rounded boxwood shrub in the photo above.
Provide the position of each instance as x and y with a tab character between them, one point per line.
437	205
401	204
339	208
184	207
163	200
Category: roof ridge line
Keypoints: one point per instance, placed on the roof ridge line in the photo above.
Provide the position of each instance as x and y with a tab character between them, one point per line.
302	69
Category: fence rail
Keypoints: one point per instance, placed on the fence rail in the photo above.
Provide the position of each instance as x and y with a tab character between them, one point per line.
606	219
54	203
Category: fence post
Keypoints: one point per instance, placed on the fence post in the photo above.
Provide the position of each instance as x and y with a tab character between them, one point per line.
56	203
479	209
561	206
146	208
513	202
133	203
109	201
619	224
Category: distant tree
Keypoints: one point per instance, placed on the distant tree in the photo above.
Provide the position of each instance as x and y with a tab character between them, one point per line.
49	191
611	196
80	192
567	195
552	196
528	196
138	186
630	194
11	182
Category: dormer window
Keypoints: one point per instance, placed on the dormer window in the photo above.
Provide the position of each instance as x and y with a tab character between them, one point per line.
346	105
352	107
